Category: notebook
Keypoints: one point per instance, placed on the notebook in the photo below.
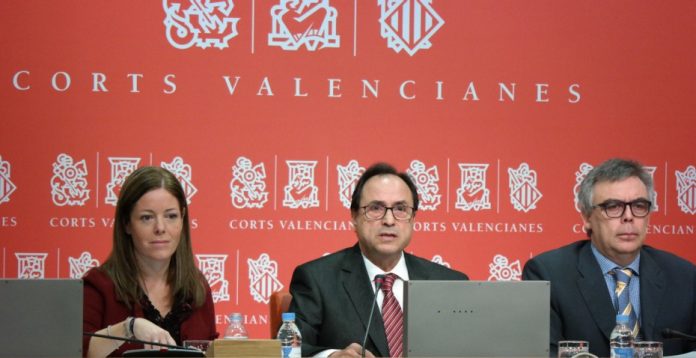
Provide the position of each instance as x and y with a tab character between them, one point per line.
41	318
476	319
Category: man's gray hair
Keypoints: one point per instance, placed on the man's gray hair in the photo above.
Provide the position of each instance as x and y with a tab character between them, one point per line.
612	170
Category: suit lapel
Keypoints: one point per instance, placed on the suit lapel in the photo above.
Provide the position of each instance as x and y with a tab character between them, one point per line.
357	286
652	289
593	289
415	270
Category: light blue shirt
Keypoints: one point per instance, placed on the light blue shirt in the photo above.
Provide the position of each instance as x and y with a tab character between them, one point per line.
607	266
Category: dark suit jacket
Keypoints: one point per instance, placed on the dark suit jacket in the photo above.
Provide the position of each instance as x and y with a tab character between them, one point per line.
331	297
581	306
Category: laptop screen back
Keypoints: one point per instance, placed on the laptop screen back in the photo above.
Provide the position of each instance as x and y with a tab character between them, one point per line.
476	319
41	318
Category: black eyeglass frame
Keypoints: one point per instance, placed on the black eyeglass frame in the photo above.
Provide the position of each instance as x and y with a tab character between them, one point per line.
385	208
607	203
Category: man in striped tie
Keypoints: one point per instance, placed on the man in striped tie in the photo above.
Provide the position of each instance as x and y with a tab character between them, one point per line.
614	272
333	295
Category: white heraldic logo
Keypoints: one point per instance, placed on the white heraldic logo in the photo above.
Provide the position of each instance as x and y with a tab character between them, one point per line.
408	24
7	187
523	188
120	169
579	177
308	23
348	177
182	171
472	193
31	265
686	189
79	266
248	186
426	184
502	270
69	182
213	268
301	191
263	278
202	23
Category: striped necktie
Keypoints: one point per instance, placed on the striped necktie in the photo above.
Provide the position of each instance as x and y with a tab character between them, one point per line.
393	318
624	307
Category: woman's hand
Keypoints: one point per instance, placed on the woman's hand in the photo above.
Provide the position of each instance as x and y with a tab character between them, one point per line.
145	330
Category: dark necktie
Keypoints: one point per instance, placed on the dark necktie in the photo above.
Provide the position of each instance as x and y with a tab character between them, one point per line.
393	318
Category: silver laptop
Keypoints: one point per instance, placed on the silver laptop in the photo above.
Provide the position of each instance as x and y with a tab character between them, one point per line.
476	319
41	318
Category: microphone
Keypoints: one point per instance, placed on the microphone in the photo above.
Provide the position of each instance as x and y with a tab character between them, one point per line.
668	333
134	340
379	280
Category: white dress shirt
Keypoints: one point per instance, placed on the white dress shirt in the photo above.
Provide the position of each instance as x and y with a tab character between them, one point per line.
398	288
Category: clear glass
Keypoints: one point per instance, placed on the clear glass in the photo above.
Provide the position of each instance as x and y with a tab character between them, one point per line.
236	329
201	345
568	349
647	349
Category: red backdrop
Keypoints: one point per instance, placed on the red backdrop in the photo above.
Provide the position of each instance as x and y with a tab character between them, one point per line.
266	109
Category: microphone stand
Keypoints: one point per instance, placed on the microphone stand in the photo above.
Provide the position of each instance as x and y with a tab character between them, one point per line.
134	340
668	333
379	279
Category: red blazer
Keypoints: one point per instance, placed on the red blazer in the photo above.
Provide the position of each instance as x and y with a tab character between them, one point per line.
102	308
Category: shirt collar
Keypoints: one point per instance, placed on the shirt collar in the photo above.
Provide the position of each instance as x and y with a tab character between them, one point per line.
373	270
606	265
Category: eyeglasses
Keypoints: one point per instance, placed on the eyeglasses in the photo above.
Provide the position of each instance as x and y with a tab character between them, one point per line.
375	211
615	208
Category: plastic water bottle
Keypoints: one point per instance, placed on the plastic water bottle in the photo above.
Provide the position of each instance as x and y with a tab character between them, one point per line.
290	337
621	339
236	330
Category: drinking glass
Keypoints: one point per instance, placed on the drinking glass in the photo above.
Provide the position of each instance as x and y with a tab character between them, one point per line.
199	344
569	349
647	349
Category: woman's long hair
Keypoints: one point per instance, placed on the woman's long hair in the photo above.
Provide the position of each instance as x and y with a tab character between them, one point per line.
184	278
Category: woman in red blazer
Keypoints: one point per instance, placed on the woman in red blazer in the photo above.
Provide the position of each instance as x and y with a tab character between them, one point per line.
149	288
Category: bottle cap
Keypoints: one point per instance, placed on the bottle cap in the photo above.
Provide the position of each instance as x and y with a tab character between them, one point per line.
288	316
235	316
620	318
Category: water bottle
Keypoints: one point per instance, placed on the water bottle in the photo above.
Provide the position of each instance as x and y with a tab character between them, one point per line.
236	330
290	337
621	339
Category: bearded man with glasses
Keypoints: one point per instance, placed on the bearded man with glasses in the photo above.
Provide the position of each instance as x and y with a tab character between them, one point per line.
332	296
614	272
